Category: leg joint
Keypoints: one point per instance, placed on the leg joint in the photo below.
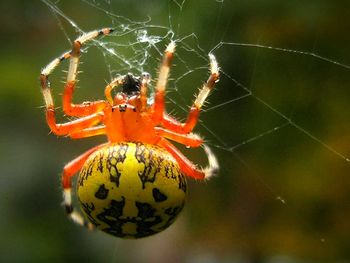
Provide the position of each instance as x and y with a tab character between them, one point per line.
76	48
69	209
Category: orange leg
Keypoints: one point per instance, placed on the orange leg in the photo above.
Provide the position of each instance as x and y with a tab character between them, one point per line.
69	170
192	119
108	89
174	125
85	108
72	126
159	103
186	165
143	91
89	132
190	140
79	110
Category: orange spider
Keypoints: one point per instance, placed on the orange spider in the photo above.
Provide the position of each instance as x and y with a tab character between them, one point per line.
133	185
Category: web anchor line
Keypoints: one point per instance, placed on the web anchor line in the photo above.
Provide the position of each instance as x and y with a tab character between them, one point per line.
288	120
300	52
313	137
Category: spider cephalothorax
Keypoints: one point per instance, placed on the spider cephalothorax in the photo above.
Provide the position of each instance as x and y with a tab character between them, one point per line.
134	185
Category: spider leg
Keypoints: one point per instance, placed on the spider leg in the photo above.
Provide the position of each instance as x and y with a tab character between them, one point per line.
108	90
89	132
186	127
72	126
84	109
143	91
71	109
87	108
187	166
159	103
69	171
190	140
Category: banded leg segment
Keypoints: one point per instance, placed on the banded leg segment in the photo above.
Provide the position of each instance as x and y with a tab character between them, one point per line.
88	107
82	39
73	55
69	171
192	119
159	101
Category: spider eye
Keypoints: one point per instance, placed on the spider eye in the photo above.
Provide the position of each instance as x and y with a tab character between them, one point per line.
146	75
131	85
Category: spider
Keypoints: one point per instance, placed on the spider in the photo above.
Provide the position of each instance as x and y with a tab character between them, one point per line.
134	185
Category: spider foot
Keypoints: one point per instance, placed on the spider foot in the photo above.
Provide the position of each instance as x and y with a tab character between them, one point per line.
213	165
72	214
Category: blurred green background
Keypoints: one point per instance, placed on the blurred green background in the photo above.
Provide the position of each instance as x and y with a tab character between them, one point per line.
282	197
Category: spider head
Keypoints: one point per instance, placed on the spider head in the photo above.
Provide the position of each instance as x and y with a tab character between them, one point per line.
131	88
131	85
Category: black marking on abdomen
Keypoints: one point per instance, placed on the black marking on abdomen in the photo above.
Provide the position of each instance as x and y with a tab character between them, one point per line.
172	212
148	156
86	171
116	154
102	192
148	219
88	209
111	216
158	195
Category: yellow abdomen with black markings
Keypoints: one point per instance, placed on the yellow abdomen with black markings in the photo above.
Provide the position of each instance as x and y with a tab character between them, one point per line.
131	190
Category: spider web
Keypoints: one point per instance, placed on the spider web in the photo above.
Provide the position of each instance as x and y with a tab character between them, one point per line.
246	115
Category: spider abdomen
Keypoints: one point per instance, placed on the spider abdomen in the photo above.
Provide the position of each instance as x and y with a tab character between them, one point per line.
131	190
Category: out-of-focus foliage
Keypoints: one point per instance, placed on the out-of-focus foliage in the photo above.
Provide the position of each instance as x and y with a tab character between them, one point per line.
236	217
